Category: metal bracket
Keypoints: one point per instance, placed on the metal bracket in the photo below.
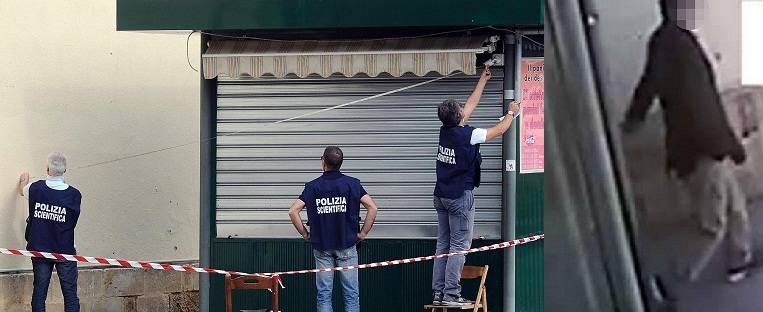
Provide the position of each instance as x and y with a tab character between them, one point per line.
508	95
496	60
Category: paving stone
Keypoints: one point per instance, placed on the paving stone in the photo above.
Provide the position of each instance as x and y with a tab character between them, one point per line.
124	282
107	304
190	282
153	303
90	284
184	302
130	304
164	281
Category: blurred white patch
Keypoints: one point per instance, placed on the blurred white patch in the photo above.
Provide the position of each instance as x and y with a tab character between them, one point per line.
752	46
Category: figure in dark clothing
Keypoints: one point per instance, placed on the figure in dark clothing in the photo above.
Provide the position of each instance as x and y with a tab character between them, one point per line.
701	146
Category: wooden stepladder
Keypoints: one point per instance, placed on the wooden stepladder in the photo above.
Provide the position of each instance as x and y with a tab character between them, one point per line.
468	273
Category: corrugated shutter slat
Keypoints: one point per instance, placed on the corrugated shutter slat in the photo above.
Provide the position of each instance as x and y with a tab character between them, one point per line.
389	144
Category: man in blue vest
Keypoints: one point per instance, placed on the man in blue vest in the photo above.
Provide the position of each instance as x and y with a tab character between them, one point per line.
54	208
458	173
333	203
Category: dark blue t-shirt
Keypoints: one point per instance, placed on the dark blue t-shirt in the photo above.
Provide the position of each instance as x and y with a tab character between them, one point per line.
333	210
53	215
458	162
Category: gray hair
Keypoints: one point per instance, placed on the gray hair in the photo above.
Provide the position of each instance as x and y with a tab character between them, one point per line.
56	164
450	112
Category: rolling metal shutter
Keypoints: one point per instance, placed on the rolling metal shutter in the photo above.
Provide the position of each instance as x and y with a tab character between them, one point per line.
389	143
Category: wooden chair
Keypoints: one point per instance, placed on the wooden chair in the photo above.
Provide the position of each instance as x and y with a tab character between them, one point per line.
469	272
249	282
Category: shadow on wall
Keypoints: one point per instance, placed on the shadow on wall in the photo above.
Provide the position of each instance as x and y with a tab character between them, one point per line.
14	212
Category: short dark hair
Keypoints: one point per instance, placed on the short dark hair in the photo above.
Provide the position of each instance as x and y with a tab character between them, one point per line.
333	157
450	112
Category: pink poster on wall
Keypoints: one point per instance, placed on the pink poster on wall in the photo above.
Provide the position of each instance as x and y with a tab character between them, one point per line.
531	118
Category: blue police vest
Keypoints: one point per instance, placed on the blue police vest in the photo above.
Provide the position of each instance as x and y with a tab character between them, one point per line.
333	210
458	162
53	215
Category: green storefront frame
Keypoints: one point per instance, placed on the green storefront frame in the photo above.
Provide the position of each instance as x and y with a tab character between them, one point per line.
408	286
322	14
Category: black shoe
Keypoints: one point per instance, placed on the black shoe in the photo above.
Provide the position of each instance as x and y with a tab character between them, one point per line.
456	302
437	298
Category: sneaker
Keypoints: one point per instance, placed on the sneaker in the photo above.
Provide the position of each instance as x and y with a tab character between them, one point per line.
456	302
737	274
437	298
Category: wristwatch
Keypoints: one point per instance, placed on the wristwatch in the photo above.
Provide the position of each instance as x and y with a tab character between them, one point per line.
511	113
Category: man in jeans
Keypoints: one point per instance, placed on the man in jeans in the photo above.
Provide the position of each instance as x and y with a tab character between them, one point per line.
54	208
458	173
333	203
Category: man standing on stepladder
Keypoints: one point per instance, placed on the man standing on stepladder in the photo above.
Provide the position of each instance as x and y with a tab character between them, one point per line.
458	173
54	208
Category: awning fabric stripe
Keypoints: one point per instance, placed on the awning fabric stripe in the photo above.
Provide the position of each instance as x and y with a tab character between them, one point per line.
256	58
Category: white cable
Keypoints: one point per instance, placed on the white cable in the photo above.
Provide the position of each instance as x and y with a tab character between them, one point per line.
364	99
273	123
339	41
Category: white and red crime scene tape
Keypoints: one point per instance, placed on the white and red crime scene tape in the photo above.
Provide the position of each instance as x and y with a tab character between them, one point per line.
275	275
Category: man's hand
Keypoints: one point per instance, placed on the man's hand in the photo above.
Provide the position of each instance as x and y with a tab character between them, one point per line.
296	220
486	74
361	236
514	107
23	181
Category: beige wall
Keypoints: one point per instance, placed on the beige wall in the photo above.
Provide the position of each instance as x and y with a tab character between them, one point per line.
70	82
722	31
752	46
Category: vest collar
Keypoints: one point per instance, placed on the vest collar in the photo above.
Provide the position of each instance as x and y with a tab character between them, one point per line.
332	174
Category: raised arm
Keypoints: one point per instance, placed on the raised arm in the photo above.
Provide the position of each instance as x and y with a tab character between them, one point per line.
474	98
501	127
296	220
369	203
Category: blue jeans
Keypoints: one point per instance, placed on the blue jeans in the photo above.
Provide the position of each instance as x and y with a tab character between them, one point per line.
455	224
67	274
349	278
